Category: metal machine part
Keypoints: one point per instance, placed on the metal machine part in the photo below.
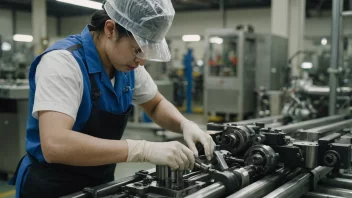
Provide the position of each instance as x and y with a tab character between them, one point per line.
310	153
321	131
234	138
302	168
263	156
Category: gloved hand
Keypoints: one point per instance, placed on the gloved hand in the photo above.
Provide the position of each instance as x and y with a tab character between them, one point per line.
173	154
193	134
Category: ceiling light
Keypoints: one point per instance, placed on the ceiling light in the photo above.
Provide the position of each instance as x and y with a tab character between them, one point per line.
5	46
22	38
324	41
190	38
306	65
84	3
216	40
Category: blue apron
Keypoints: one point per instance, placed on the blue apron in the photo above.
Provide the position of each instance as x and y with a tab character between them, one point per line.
103	113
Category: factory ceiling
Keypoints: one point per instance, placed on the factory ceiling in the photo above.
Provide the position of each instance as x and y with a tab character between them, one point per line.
59	9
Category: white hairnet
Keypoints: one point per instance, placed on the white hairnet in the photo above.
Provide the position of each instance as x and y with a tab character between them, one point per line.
148	21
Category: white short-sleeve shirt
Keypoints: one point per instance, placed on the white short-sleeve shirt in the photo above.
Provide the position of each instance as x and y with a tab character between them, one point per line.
59	84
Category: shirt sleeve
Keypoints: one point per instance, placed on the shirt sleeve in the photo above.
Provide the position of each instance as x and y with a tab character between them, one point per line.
59	84
145	88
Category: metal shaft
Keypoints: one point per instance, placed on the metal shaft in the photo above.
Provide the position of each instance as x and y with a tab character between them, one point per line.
213	191
335	46
297	186
267	120
334	191
311	123
261	187
319	195
338	183
324	90
333	126
300	184
345	175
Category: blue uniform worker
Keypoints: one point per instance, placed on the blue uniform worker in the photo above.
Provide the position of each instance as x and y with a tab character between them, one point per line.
81	93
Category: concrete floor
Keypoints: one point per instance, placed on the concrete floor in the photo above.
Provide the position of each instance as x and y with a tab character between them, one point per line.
122	169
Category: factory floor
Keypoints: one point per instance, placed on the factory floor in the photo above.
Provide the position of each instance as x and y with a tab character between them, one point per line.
122	169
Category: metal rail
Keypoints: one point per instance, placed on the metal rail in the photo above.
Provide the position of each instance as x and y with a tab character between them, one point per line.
311	123
300	184
266	120
319	132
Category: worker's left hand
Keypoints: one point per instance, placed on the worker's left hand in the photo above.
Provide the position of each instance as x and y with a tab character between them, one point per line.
193	134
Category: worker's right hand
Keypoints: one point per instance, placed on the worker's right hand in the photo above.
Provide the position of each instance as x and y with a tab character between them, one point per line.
173	154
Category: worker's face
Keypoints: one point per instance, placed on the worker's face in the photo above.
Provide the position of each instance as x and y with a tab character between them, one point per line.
121	50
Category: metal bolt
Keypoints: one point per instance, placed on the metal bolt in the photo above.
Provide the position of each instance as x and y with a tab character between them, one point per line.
329	159
257	159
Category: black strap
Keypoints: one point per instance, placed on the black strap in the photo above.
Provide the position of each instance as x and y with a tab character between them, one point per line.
95	92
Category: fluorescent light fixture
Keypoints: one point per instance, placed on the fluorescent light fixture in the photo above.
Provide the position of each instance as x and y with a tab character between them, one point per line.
216	40
84	3
306	65
190	38
5	46
324	41
23	38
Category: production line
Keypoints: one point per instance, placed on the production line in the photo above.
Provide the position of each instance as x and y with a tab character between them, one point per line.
254	161
277	104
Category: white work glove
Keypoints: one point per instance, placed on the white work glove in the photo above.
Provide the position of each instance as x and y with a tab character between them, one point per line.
193	134
173	154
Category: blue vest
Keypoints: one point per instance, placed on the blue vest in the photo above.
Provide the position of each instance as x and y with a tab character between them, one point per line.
115	99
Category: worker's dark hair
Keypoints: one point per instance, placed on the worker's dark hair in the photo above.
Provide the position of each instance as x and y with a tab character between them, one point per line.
98	20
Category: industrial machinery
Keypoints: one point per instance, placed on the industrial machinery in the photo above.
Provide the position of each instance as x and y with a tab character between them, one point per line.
236	64
311	159
13	121
13	108
305	101
229	72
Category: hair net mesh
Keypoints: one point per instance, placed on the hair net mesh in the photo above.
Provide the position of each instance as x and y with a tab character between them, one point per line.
148	21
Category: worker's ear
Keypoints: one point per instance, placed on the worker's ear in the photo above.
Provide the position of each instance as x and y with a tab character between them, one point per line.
110	29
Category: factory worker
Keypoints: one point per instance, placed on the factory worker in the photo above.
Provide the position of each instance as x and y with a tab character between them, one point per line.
81	91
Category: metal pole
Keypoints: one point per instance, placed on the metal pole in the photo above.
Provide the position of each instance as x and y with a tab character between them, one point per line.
223	13
334	61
